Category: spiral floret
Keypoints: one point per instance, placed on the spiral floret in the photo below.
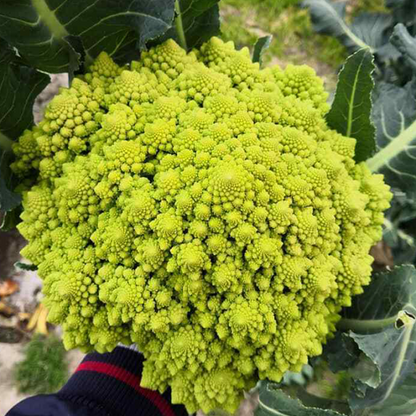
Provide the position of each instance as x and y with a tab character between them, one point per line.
199	206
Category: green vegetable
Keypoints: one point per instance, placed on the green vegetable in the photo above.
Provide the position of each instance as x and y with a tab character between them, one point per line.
202	208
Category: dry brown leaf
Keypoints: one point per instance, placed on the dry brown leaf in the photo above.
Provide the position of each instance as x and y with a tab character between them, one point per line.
24	316
8	287
34	319
42	326
38	321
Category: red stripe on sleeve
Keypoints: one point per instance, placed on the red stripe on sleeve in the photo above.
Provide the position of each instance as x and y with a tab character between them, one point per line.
130	379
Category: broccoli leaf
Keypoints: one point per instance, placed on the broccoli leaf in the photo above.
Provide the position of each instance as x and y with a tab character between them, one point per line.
405	43
365	373
366	31
260	47
388	294
385	351
19	87
196	22
350	113
395	117
341	352
8	199
43	31
10	219
399	231
402	243
381	322
400	402
403	10
275	402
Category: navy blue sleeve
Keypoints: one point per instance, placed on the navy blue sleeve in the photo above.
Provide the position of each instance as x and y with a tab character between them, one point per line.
53	405
103	385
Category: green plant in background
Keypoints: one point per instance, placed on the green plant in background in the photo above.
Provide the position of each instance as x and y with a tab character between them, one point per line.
287	22
44	368
213	212
371	30
294	37
388	32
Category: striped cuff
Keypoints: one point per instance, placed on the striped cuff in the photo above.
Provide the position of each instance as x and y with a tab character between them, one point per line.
110	383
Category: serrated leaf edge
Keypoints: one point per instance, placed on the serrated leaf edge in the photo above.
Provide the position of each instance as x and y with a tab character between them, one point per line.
276	412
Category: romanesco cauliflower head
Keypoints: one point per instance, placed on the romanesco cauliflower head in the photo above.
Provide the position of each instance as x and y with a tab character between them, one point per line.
200	207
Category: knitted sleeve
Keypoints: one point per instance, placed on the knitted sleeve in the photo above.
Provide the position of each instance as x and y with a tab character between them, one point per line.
103	384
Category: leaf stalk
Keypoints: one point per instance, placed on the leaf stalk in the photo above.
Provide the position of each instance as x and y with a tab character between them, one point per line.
365	325
397	145
179	26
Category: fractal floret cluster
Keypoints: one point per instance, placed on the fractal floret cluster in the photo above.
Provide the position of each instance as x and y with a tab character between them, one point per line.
199	206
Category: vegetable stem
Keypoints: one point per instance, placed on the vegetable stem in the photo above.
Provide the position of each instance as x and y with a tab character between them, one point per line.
5	142
365	325
179	26
397	145
49	19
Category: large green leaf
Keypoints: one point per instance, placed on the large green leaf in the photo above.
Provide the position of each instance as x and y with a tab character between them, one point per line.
196	22
379	306
260	47
275	402
341	352
381	322
397	58
365	373
399	230
395	117
405	43
403	11
19	87
401	242
401	402
366	31
350	113
41	30
8	199
10	219
393	352
394	114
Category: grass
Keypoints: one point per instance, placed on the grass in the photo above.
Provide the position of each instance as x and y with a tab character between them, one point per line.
244	21
272	6
44	368
368	5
